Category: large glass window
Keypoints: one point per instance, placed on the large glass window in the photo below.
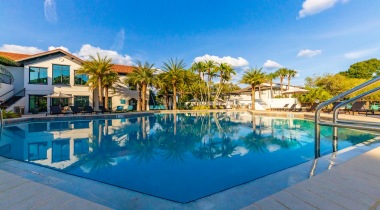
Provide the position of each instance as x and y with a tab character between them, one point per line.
80	79
37	75
60	102
61	74
37	102
109	101
81	101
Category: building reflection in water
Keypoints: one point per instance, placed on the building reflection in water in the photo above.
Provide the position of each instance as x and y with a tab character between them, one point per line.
102	143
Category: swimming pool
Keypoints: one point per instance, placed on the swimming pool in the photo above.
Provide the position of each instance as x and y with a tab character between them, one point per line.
180	157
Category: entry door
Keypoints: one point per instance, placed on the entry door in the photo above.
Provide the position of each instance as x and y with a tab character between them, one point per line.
37	101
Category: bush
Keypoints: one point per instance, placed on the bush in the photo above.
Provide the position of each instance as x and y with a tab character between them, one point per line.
201	107
9	114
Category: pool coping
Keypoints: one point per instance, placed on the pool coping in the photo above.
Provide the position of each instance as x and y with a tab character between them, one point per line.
236	197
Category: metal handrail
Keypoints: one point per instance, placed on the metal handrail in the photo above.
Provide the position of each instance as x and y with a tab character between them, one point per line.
7	92
317	116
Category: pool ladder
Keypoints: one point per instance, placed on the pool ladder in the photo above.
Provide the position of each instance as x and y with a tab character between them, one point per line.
359	125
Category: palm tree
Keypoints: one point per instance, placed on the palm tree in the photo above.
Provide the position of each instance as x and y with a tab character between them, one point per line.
200	68
270	78
226	71
210	68
143	75
174	74
282	73
97	68
253	77
291	73
109	80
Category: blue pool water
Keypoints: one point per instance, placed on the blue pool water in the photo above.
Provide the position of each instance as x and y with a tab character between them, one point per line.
181	157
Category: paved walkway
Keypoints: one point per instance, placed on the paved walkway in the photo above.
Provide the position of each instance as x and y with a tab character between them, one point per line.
354	184
19	193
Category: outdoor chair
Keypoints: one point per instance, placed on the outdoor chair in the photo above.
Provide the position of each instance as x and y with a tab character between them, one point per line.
292	108
335	104
358	107
75	109
283	108
55	110
313	107
303	107
103	110
119	109
374	108
87	109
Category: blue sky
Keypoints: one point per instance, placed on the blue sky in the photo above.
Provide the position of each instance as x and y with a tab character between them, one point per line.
310	36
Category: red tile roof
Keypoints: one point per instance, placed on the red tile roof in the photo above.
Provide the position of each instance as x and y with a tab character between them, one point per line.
21	57
14	56
122	69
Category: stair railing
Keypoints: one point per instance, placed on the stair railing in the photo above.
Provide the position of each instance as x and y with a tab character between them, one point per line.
317	116
20	92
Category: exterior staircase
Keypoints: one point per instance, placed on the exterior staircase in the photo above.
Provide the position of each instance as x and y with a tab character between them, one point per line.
13	99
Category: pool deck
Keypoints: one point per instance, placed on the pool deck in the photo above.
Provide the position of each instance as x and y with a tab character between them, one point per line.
354	184
351	181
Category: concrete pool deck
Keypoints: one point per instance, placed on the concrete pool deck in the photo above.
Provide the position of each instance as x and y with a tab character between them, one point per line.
88	194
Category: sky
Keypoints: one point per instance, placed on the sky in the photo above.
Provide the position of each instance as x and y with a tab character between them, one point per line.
313	37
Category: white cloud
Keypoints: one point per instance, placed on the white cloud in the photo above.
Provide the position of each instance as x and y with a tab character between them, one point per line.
119	41
234	62
50	11
311	7
60	47
270	65
308	53
20	49
359	54
87	50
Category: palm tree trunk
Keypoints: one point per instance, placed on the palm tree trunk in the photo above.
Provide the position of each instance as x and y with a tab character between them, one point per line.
100	91
260	92
253	97
143	97
271	89
139	98
288	82
174	97
281	80
106	97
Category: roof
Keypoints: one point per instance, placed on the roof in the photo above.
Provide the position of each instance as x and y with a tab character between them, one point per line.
122	69
14	56
24	57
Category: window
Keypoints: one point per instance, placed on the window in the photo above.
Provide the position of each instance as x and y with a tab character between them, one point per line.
123	101
61	74
80	79
37	151
60	150
109	102
59	102
37	102
81	101
37	75
81	146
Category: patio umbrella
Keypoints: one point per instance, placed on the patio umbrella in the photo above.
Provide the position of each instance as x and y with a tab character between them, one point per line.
295	91
59	95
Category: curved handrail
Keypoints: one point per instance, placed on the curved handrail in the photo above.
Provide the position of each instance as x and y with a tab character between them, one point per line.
7	92
317	115
336	109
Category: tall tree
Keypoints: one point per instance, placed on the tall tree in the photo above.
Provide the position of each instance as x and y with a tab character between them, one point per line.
210	69
226	71
364	69
282	73
270	77
175	74
109	80
291	73
253	77
96	68
144	76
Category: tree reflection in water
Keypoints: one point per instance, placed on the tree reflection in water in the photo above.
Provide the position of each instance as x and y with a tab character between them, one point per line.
205	136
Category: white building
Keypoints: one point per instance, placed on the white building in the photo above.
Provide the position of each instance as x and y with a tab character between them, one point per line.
24	87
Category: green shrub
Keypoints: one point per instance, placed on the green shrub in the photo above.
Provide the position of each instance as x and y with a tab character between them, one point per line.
201	107
9	114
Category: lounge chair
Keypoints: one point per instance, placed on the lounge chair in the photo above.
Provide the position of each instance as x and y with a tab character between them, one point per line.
374	108
313	107
303	107
358	107
75	109
103	109
283	108
119	109
335	104
291	108
55	110
87	109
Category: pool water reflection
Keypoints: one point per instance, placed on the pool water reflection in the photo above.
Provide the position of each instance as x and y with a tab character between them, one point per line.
180	157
